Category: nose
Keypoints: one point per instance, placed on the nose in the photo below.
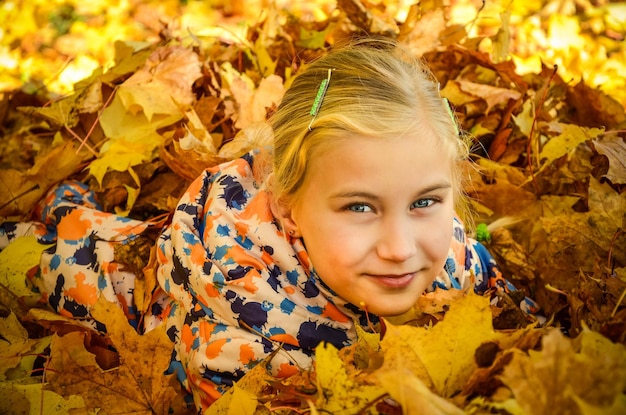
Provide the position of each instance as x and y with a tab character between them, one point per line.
398	240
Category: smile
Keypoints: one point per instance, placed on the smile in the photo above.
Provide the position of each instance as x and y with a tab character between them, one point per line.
394	281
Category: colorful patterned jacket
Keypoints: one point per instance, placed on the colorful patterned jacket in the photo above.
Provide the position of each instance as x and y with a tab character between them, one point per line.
237	288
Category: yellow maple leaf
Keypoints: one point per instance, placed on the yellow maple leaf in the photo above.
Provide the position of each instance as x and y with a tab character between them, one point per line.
241	399
266	65
132	138
443	356
32	399
570	136
16	259
413	395
342	392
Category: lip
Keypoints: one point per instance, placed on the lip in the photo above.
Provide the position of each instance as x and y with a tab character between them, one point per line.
394	281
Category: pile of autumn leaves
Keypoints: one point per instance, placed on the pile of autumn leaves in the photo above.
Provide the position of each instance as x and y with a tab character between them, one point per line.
549	176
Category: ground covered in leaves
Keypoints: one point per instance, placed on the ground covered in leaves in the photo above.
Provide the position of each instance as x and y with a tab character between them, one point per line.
137	97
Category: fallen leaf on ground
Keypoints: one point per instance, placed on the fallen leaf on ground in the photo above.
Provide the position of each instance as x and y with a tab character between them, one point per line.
139	385
443	355
589	369
342	392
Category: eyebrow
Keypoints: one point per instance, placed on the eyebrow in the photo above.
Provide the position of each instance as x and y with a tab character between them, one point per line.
371	196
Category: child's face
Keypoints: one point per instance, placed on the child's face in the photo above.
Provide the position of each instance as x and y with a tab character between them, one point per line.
376	218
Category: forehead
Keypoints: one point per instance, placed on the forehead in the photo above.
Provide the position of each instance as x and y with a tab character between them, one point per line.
381	164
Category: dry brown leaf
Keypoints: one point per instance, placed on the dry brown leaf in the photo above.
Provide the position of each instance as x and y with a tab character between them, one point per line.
255	136
163	85
20	191
594	108
430	308
251	104
511	255
137	385
497	196
422	32
494	96
614	148
575	240
550	381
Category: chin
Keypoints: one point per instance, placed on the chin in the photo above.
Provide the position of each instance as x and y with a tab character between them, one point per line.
391	311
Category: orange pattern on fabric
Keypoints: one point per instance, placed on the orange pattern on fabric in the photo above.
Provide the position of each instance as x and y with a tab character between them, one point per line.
242	228
246	354
331	311
209	219
206	329
240	256
285	338
186	337
83	293
248	281
258	206
242	167
214	348
212	290
198	254
207	389
65	313
73	227
129	229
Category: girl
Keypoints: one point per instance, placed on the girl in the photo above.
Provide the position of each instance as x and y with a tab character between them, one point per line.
355	220
351	216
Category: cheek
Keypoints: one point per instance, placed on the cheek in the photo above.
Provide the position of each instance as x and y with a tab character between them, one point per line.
339	248
439	239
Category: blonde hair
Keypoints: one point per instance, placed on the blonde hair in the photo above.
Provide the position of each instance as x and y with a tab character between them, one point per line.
376	89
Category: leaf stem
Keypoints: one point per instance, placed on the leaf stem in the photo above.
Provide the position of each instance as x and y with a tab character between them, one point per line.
529	145
619	302
32	188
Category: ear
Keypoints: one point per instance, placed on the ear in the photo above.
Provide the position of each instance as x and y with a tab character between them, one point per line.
284	213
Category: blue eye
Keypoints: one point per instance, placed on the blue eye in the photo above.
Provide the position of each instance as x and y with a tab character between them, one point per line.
423	203
359	207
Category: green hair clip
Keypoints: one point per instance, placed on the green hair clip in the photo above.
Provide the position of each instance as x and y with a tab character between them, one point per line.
321	92
451	114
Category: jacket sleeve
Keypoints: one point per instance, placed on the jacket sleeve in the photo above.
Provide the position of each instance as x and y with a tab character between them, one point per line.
79	264
471	265
211	277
